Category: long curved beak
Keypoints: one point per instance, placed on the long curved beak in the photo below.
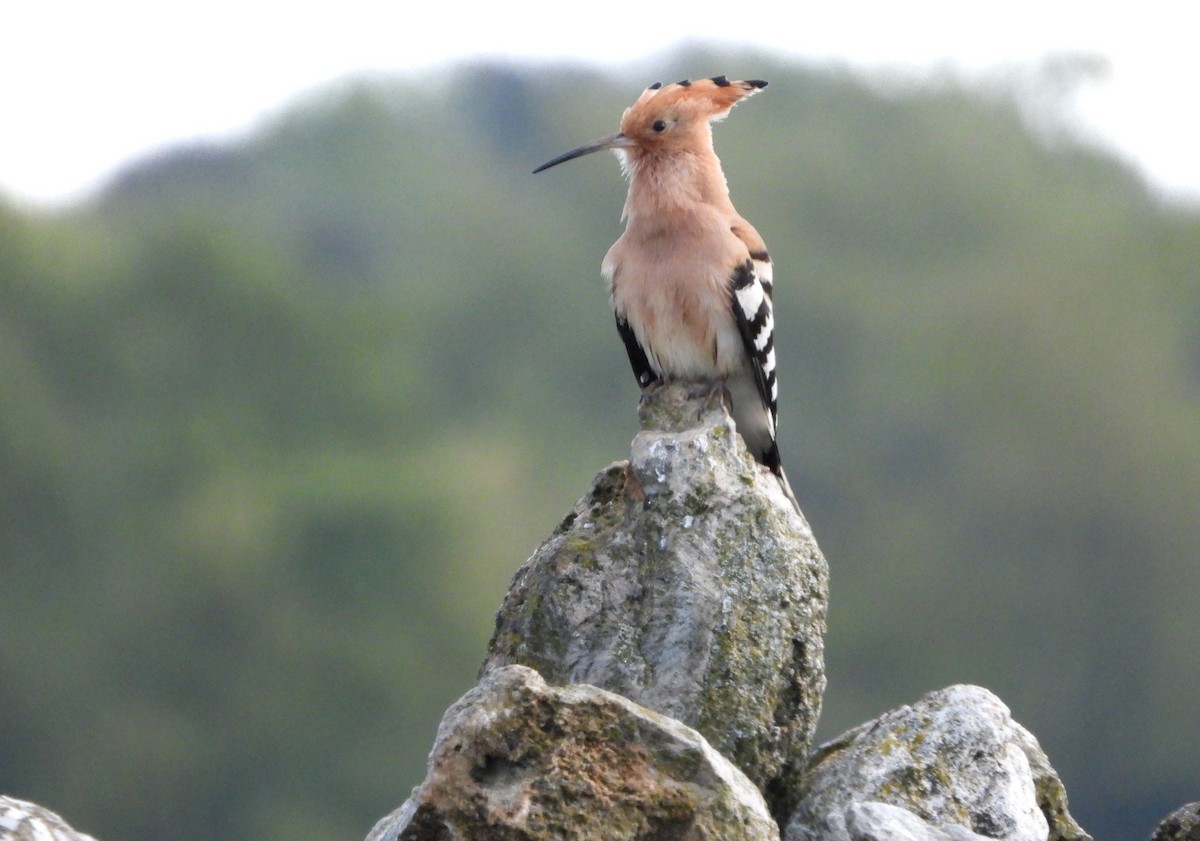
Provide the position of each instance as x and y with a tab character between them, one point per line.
613	141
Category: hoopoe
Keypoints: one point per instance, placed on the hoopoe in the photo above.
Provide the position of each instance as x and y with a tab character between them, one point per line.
690	279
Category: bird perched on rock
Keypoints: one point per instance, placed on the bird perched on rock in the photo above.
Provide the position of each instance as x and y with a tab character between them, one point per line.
690	279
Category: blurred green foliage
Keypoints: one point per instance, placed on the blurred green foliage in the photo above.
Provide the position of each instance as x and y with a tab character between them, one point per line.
279	418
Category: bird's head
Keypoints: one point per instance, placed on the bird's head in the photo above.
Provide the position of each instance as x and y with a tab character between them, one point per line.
669	118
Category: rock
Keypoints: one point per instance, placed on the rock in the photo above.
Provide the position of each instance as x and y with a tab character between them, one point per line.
686	581
23	821
517	759
955	759
1181	825
1051	794
884	822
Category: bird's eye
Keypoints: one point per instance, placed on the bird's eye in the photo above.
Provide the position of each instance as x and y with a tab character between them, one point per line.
659	125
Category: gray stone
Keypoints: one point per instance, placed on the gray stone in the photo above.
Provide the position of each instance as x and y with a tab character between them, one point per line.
23	821
1181	825
686	581
883	822
1051	794
517	759
955	759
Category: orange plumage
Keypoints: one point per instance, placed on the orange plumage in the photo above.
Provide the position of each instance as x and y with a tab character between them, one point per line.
690	279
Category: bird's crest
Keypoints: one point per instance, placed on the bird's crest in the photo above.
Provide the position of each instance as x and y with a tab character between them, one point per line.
670	119
660	108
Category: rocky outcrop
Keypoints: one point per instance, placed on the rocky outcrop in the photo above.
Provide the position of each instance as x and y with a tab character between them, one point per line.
955	761
23	821
515	758
686	581
685	591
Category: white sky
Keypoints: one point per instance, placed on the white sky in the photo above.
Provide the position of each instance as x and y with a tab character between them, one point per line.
87	85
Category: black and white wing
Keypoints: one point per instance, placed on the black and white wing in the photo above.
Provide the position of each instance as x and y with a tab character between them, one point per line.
751	297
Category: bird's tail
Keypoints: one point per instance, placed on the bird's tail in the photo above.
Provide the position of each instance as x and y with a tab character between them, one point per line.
787	489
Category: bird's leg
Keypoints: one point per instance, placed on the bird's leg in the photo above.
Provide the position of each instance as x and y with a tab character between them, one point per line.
655	385
724	396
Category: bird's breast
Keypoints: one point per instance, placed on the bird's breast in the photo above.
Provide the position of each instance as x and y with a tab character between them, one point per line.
675	297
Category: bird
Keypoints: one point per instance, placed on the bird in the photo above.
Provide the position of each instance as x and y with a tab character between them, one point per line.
690	280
